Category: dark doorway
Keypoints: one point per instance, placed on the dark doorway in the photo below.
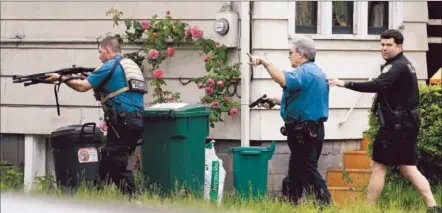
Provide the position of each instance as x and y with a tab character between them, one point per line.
434	54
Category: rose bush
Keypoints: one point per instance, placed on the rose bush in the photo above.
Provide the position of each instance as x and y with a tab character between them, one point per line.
157	40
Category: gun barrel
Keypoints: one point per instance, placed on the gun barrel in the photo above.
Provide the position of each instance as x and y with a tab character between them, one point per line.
259	100
39	77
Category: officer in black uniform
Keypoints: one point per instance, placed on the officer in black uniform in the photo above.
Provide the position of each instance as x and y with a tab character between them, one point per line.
119	84
396	105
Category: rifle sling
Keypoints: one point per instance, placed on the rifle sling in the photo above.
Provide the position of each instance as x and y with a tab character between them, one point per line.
100	87
110	95
57	89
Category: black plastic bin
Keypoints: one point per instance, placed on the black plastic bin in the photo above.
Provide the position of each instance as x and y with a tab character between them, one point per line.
76	154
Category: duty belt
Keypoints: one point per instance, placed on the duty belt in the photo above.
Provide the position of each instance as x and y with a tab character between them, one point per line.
135	114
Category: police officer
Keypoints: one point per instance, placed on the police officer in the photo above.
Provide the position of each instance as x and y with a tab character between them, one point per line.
304	109
396	105
119	84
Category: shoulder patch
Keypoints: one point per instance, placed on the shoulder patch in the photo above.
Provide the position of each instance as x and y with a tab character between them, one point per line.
386	68
411	68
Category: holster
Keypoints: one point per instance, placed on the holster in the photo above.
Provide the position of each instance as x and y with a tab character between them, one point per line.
398	118
110	115
303	129
298	129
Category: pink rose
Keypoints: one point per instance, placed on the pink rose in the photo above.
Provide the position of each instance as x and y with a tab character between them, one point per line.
200	85
145	25
169	98
158	73
209	90
170	51
207	58
196	32
233	111
215	104
227	99
153	54
187	32
210	83
220	84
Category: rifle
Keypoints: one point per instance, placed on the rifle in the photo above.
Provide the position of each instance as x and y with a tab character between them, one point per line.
261	101
39	78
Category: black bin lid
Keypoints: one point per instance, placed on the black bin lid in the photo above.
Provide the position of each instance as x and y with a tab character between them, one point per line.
86	133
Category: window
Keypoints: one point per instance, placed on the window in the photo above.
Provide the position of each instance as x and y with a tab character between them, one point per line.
306	17
361	20
342	13
377	17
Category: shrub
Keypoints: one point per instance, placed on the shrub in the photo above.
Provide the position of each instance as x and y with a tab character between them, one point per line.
11	178
430	134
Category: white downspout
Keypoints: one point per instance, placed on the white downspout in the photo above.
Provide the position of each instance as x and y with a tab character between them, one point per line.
245	73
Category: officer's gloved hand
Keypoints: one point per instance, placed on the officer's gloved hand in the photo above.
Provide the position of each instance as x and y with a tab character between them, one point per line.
269	103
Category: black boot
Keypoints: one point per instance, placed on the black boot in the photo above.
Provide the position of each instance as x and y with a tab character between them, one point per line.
434	209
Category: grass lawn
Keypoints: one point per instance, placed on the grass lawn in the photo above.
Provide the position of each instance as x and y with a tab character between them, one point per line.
396	198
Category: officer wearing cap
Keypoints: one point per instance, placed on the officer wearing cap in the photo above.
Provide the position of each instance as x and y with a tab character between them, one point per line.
304	109
396	105
119	84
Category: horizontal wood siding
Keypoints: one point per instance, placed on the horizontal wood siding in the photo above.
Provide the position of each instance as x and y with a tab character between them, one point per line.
56	35
345	57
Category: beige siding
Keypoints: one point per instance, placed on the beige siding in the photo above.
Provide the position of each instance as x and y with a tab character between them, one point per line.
350	58
354	64
58	35
415	11
186	63
96	10
270	123
44	120
76	29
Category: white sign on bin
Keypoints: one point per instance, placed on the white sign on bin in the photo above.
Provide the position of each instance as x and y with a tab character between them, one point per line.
168	106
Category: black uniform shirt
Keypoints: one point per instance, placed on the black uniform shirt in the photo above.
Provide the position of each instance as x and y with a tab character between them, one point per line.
397	83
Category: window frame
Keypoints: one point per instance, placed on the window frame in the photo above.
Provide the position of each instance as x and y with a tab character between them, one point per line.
345	30
308	30
360	21
379	30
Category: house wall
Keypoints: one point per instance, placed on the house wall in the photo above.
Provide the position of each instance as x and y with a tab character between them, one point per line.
55	36
46	45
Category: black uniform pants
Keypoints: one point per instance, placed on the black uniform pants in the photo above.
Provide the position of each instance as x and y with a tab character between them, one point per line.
303	167
115	156
397	147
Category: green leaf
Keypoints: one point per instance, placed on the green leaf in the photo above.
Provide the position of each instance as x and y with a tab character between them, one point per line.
128	24
208	66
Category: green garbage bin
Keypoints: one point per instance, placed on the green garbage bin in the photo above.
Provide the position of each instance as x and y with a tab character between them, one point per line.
172	157
250	168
